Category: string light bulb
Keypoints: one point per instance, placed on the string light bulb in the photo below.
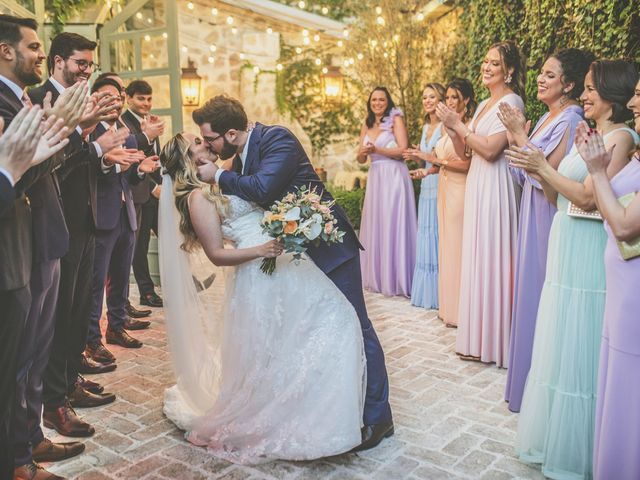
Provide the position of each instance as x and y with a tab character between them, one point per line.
229	20
190	6
214	12
213	48
380	21
340	43
298	50
378	10
211	59
345	33
269	30
305	32
139	15
420	17
256	70
234	30
318	62
325	70
325	10
306	40
360	56
301	4
316	38
279	67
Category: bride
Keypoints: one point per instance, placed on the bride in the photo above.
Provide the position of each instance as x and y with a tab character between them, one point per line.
279	373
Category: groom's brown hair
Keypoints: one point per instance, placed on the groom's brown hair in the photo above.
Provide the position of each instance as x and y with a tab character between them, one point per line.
222	113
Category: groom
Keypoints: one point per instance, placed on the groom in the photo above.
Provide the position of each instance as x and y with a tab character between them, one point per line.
268	163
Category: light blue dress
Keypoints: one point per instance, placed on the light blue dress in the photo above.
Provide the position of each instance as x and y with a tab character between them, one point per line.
556	425
424	292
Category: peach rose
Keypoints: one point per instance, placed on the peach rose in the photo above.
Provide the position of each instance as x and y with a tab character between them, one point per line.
328	228
290	227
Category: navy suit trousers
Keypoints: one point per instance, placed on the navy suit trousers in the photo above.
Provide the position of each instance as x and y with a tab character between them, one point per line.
348	279
33	356
111	265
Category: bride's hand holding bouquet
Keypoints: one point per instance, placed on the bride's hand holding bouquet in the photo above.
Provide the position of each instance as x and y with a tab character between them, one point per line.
298	220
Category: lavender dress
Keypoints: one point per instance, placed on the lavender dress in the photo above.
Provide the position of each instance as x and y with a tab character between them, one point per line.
536	215
389	223
617	439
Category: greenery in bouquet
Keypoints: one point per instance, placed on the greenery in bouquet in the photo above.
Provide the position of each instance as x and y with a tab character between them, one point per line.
300	219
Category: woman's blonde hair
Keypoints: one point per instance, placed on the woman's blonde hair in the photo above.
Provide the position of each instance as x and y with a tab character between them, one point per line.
177	162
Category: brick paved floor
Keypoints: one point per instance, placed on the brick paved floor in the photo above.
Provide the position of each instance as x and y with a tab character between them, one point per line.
450	418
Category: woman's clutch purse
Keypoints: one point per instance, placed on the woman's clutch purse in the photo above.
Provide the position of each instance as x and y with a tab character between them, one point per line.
575	211
631	249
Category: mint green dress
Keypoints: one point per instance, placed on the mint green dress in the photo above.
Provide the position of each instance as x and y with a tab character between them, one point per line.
556	424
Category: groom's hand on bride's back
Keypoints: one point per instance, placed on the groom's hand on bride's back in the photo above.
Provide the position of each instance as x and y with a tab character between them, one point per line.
207	172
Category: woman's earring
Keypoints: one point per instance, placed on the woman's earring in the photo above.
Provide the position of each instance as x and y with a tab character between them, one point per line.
508	79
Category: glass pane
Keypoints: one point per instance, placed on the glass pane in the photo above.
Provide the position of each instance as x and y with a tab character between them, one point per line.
154	52
28	4
122	54
160	85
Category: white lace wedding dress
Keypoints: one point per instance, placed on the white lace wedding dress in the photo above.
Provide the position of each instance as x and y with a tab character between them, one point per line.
288	382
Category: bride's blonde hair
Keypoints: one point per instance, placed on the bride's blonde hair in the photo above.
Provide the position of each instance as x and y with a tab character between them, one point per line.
177	162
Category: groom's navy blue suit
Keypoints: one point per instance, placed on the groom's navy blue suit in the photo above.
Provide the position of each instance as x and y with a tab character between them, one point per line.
277	164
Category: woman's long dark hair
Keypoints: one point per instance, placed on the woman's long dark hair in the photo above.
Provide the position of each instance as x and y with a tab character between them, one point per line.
465	88
371	117
615	81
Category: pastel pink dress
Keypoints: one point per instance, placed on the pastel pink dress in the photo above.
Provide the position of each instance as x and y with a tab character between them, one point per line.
488	248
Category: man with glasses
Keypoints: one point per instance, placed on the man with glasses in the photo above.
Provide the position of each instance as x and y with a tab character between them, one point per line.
70	61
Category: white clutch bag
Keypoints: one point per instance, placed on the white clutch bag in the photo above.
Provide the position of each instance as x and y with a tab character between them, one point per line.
574	211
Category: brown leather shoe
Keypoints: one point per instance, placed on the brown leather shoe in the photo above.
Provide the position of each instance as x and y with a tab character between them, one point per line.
151	299
33	471
99	353
89	386
80	398
136	312
122	338
133	324
65	421
47	451
88	365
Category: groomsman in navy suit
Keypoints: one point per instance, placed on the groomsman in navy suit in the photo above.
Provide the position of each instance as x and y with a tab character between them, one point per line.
269	162
146	128
115	235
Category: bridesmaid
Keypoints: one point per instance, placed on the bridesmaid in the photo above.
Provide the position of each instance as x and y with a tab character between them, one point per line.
617	440
556	424
389	224
424	292
453	161
560	84
489	228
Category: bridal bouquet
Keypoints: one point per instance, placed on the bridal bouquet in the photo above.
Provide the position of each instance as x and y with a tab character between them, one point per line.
298	220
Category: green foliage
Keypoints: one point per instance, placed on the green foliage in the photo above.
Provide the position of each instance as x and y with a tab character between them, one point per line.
299	94
608	28
61	10
351	202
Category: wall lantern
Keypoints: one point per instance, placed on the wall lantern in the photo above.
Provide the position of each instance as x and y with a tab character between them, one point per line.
190	82
332	84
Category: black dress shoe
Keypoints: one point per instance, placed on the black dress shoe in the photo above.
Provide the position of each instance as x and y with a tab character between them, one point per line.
372	435
151	300
133	324
134	312
89	386
80	398
99	353
122	338
88	365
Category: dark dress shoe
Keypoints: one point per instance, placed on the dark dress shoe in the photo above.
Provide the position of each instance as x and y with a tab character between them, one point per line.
99	353
65	421
134	312
80	398
122	338
47	451
33	471
151	300
133	324
372	435
88	365
88	385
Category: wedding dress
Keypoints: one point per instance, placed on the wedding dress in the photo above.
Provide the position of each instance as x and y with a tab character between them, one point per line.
280	372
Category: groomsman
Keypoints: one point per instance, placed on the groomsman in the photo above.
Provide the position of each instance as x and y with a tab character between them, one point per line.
25	282
115	235
147	128
71	60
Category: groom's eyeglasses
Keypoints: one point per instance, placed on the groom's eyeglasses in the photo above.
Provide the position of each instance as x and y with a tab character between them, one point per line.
210	140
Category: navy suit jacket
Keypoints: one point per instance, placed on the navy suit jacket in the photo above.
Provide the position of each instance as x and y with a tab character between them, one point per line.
142	191
112	186
7	194
276	164
78	175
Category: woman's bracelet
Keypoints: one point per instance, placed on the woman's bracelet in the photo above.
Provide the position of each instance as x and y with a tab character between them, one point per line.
469	132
